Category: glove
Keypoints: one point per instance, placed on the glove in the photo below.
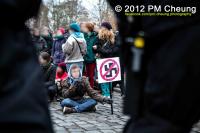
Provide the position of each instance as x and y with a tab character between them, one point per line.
108	100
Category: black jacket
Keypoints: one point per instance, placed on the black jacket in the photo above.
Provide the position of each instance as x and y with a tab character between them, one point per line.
40	44
23	98
106	49
163	97
49	75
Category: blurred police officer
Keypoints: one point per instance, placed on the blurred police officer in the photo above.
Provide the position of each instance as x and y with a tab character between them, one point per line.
23	102
163	69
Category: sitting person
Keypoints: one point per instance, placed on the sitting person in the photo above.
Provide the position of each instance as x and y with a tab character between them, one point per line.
74	90
61	75
49	71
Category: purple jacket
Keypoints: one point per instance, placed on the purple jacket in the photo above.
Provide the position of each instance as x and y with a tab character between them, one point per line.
57	52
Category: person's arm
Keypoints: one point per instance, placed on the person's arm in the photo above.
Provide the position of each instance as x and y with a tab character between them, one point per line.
68	91
68	46
94	94
84	47
96	46
109	49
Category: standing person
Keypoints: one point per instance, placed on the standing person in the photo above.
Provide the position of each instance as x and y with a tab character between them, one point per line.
57	53
75	47
106	47
89	58
38	41
23	99
45	33
49	71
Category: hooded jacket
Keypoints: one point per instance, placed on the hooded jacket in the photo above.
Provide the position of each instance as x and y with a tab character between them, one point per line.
77	88
74	48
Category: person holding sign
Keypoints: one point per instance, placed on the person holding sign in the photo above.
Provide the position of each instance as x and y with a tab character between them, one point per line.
105	48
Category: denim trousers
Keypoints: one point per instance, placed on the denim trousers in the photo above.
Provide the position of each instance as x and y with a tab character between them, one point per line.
79	105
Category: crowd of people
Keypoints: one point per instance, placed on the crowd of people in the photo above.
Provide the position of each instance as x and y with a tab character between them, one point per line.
68	60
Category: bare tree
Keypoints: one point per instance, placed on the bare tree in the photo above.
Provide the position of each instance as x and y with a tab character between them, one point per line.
60	13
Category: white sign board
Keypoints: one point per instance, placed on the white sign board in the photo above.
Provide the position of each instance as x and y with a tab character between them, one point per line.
108	70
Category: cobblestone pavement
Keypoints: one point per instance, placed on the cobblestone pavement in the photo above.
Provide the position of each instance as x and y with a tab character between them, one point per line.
100	121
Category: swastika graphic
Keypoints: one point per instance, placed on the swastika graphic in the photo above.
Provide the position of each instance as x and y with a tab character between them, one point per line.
107	68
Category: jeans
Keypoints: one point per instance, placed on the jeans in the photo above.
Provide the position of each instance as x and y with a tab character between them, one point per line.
79	105
80	64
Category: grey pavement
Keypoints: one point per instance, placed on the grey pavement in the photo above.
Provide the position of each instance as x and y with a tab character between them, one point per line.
100	121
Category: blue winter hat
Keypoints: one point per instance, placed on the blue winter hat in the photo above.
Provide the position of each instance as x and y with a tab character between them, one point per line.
75	27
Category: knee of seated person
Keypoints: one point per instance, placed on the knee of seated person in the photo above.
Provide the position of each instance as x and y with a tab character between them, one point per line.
65	102
94	102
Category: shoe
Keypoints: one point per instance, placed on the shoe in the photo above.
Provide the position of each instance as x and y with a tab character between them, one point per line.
93	109
106	96
67	110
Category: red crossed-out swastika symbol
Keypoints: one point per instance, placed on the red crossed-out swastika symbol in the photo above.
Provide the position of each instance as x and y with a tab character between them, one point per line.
114	67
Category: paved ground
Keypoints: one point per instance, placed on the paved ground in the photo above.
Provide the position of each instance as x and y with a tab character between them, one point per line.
100	121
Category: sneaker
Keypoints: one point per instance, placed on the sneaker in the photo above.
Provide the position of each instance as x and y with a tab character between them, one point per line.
67	110
106	96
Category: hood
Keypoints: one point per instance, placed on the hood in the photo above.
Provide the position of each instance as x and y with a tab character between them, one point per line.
77	35
71	79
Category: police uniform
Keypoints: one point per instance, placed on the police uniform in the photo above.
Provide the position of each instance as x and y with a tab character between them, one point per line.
23	98
162	93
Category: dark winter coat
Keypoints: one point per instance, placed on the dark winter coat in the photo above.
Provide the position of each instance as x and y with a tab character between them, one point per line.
163	97
40	44
57	52
49	41
106	49
79	89
49	75
90	41
23	99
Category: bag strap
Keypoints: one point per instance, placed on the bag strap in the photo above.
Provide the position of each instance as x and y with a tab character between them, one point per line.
78	45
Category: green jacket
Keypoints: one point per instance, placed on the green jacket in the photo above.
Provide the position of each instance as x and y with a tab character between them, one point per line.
90	40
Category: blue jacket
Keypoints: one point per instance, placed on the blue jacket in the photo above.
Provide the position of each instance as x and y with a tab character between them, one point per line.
57	53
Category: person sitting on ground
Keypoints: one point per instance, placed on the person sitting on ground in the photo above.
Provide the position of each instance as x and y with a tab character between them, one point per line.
61	75
49	71
74	90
